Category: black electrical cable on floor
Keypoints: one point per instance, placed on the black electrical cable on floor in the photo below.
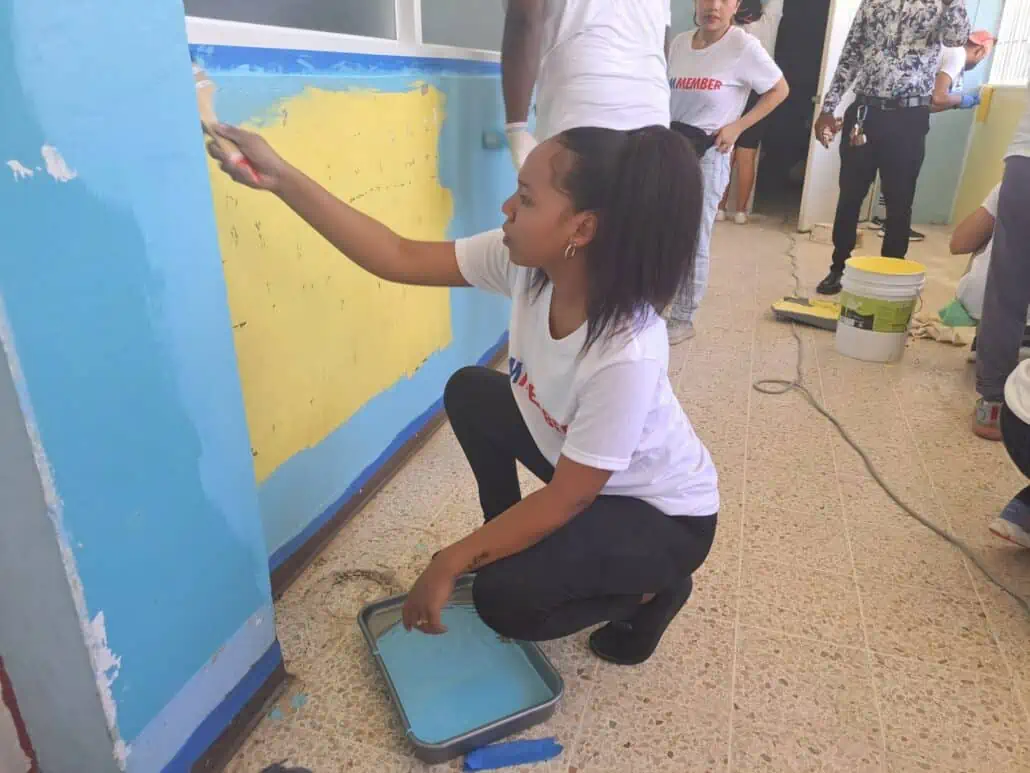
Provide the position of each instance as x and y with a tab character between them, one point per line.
777	386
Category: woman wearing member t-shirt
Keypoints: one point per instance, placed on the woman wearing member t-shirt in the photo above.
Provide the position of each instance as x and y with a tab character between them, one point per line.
597	237
711	71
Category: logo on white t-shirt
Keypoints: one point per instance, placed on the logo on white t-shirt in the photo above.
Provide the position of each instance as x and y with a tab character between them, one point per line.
696	84
520	378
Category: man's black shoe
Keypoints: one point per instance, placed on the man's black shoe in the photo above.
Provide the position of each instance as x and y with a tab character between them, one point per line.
830	285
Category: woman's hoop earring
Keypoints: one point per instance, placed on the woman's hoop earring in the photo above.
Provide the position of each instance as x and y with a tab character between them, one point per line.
570	251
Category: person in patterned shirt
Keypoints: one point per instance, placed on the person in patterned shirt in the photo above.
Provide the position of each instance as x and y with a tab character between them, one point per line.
890	60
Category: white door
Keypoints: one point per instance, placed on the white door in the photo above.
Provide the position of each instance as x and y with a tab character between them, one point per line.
819	198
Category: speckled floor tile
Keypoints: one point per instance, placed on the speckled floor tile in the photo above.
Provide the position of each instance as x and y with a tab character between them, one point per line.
763	749
768	667
806	447
319	751
814	539
865	502
908	554
692	668
955	718
780	486
655	736
1009	622
792	682
937	628
716	583
801	602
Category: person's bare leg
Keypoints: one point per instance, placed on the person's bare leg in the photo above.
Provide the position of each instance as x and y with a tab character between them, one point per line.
745	160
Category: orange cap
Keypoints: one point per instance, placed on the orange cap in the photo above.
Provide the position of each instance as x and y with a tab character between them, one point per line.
982	38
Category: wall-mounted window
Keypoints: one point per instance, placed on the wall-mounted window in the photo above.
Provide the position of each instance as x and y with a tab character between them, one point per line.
1011	64
371	18
463	23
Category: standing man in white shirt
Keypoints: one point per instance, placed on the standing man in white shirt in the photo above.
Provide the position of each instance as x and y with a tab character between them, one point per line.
593	62
1008	286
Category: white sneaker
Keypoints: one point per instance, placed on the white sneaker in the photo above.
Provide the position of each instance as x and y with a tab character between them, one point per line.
740	218
720	215
679	332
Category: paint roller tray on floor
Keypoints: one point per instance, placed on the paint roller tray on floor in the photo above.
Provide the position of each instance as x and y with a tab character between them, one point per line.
464	689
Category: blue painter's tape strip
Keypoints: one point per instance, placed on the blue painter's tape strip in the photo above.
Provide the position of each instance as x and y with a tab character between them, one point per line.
283	554
219	719
286	61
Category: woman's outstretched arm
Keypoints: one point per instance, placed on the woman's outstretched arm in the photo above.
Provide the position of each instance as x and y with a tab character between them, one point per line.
364	240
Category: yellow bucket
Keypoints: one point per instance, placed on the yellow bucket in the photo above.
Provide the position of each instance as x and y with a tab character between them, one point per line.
876	306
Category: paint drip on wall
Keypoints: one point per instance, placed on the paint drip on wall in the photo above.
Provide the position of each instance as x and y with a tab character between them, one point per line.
106	664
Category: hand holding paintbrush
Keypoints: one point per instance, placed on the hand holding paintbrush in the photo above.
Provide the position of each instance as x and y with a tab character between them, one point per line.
209	120
246	157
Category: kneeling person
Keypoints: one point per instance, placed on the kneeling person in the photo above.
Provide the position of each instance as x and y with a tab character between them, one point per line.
601	231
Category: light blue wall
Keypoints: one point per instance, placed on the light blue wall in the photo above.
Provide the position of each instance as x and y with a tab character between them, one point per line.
683	16
115	296
311	486
949	134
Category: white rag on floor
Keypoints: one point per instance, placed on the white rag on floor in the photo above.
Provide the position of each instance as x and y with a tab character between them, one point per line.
931	326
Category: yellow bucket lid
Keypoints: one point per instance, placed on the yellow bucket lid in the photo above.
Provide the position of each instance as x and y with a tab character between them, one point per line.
888	266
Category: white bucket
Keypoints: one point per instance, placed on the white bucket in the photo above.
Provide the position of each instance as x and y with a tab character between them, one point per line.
878	299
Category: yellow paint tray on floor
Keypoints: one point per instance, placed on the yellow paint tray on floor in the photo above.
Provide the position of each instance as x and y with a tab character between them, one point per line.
464	689
822	314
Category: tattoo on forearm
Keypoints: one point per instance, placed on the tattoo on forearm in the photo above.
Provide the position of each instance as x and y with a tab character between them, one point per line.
478	561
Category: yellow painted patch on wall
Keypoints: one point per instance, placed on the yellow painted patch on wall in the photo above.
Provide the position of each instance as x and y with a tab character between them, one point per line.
317	337
988	144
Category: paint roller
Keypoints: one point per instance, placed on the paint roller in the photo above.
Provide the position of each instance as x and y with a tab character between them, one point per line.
209	120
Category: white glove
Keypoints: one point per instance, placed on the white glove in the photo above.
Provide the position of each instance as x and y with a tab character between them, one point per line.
520	142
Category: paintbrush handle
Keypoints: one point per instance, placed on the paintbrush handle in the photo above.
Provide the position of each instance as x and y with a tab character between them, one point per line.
209	120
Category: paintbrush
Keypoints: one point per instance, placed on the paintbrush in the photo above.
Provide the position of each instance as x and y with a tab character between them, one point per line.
209	120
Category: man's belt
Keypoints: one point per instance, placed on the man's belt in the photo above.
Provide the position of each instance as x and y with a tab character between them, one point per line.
892	103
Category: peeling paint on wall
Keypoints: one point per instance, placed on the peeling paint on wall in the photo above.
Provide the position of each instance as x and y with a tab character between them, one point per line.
94	633
56	166
106	664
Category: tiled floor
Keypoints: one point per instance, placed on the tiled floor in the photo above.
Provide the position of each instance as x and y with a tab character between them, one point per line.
828	631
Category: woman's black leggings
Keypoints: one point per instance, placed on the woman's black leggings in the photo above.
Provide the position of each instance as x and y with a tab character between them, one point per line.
594	569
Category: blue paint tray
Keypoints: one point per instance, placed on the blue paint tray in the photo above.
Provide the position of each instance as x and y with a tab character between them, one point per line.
465	689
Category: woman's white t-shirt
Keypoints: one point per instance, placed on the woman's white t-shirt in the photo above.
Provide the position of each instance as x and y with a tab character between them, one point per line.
1017	391
610	407
971	287
710	86
602	64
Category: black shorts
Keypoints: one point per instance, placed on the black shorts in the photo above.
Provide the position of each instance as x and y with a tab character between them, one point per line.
751	138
